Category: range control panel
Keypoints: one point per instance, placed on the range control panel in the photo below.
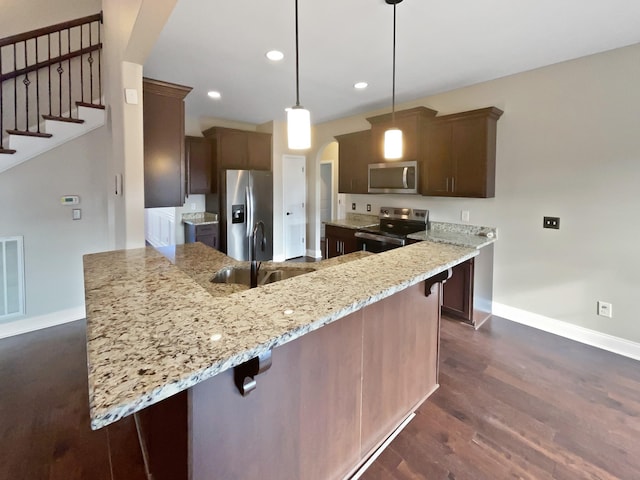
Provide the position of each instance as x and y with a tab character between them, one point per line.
413	214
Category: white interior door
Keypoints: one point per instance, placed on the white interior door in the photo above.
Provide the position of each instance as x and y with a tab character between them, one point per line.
293	201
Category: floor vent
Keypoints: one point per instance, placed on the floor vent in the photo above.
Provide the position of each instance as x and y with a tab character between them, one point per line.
11	277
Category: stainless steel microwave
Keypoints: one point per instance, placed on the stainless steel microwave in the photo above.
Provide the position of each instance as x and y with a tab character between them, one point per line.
393	177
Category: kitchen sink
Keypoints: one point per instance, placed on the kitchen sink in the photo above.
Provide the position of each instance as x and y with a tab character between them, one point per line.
242	275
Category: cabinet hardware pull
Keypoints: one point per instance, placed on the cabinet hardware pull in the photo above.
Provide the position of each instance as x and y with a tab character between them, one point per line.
453	184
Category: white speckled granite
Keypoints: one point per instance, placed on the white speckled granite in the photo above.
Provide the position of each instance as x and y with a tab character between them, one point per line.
199	218
471	236
156	326
355	221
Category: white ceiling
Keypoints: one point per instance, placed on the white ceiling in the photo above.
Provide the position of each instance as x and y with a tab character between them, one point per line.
441	45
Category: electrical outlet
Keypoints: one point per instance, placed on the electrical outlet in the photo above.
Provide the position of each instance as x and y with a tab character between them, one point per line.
353	206
605	309
464	215
193	207
551	222
76	214
368	207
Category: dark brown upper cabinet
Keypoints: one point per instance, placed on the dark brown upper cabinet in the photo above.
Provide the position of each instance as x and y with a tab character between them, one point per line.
412	122
164	165
240	149
461	154
200	165
354	156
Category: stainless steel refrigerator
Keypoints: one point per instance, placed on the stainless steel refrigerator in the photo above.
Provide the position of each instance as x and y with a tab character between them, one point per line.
246	198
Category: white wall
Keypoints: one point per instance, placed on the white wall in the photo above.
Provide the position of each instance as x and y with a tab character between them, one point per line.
568	146
53	242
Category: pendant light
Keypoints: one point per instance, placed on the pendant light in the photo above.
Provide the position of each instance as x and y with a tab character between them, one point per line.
393	136
298	117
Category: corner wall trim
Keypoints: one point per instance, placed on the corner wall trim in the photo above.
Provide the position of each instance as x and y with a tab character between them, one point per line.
587	336
30	324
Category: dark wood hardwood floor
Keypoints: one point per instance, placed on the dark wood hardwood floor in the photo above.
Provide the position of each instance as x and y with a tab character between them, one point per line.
513	403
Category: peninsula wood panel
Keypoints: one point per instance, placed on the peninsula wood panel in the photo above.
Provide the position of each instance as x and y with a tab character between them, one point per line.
400	356
302	421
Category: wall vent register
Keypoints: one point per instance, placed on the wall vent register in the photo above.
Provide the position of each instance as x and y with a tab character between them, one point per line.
11	277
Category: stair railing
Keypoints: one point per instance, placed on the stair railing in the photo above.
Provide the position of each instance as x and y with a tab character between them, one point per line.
54	59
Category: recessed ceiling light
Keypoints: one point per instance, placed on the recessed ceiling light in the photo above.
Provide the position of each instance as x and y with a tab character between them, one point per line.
360	85
275	55
214	94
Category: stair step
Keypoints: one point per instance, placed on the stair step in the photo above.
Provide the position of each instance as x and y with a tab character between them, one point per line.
90	105
29	134
7	151
62	119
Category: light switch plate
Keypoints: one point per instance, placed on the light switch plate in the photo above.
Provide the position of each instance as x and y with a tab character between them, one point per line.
131	96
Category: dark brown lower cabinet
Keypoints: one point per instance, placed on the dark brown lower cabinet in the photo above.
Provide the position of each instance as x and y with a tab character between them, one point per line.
328	401
457	297
339	241
207	234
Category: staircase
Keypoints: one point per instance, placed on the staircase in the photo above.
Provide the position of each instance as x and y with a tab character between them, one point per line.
51	88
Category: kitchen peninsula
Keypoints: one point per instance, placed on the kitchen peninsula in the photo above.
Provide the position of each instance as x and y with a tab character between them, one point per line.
354	347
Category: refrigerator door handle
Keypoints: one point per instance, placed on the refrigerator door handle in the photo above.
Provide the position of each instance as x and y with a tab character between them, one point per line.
249	212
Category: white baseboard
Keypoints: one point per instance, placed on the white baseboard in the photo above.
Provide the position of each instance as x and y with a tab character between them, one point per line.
314	253
587	336
30	324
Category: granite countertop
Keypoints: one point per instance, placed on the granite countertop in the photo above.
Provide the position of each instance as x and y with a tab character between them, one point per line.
199	218
355	221
472	236
157	326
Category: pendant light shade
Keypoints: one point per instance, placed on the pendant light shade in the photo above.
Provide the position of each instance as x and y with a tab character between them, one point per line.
298	118
393	144
299	128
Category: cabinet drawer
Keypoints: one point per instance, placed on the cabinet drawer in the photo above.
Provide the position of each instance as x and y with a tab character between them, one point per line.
208	229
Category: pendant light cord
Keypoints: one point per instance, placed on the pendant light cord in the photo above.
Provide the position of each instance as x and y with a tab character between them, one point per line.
393	83
297	63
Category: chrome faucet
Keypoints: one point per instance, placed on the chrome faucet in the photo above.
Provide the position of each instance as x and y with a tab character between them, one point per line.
255	265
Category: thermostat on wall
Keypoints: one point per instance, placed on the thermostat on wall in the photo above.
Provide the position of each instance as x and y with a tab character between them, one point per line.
70	200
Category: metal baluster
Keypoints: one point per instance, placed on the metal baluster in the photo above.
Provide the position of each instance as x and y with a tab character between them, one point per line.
99	66
60	72
26	83
15	89
82	66
90	60
49	68
37	89
69	66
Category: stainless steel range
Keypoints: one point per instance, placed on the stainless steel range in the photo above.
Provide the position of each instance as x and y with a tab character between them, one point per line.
395	225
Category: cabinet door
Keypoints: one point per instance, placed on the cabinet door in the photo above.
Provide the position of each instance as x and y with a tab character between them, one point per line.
353	161
199	165
469	157
457	297
331	247
259	150
436	172
163	131
350	244
232	150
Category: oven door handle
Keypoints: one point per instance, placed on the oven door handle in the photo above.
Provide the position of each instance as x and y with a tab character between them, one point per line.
380	238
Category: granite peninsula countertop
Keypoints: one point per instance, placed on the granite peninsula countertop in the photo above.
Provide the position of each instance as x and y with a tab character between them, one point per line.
157	326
